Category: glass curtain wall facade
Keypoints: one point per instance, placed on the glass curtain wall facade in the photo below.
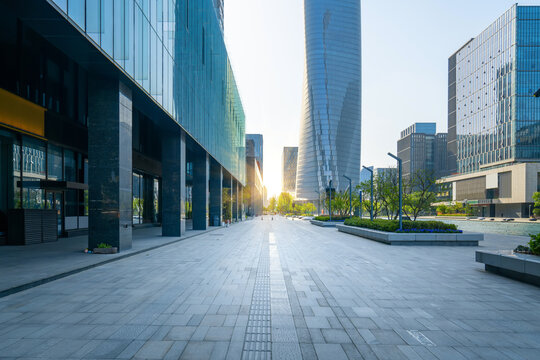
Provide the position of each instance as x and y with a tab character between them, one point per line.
175	52
497	119
330	127
289	165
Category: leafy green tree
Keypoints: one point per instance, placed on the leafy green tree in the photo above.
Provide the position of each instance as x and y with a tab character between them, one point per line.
365	187
309	208
442	209
227	204
536	198
419	193
284	203
272	204
387	185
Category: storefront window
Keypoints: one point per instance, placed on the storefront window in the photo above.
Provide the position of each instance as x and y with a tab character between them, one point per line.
137	199
33	162
70	166
156	201
54	163
16	176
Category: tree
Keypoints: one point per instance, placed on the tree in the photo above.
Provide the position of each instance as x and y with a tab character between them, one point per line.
442	209
418	193
227	204
365	187
387	185
272	204
284	203
536	198
309	208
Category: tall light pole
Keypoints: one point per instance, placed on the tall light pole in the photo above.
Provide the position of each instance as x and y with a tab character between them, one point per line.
330	188
318	203
371	211
350	194
361	201
400	191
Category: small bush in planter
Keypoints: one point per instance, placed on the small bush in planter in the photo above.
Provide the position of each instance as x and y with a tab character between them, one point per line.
534	244
393	225
104	246
327	218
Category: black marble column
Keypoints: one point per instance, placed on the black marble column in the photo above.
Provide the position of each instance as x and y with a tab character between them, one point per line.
216	192
201	175
173	184
109	163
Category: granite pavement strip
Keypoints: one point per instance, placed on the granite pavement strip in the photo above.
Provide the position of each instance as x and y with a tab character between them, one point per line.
330	296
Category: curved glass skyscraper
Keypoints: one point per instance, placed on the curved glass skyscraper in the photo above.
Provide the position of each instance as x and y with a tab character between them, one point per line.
331	122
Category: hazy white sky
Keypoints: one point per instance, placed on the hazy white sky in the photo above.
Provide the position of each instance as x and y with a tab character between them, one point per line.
405	50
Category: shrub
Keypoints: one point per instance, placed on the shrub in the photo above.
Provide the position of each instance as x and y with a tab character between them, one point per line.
104	246
327	218
393	225
534	244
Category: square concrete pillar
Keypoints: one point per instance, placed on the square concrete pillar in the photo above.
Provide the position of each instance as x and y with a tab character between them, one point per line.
201	176
173	182
110	202
216	193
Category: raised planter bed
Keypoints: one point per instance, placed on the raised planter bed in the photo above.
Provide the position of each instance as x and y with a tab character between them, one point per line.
517	266
390	238
325	223
111	250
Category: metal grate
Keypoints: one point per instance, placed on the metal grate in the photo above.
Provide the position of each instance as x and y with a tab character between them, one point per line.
257	341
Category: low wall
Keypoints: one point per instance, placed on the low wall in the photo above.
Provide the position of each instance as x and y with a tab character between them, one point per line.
325	223
466	239
520	267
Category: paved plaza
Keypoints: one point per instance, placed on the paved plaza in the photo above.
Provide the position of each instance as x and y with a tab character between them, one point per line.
279	289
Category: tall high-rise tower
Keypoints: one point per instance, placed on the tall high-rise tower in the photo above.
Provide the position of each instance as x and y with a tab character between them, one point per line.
331	121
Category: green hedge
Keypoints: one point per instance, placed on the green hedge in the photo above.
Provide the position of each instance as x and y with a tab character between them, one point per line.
327	218
393	225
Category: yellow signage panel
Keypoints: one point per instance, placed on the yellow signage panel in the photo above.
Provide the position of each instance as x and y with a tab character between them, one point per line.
21	114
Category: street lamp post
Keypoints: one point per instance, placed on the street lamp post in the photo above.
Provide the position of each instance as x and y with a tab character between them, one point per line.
360	197
350	194
318	203
400	191
330	188
371	211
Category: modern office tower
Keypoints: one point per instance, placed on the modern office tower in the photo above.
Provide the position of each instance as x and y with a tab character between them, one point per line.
330	128
365	175
493	118
220	12
254	147
115	114
254	202
421	148
382	171
289	164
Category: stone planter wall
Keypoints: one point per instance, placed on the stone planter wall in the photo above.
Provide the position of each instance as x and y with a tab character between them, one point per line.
467	239
325	223
521	267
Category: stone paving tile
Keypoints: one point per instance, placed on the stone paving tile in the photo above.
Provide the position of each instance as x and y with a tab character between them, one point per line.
331	295
330	352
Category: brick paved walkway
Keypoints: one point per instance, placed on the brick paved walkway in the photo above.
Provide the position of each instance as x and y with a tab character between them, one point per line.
283	290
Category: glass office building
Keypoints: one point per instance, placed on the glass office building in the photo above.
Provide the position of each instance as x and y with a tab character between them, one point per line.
118	113
289	165
493	116
497	119
330	128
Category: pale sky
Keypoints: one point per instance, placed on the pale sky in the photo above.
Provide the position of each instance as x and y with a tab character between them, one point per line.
405	50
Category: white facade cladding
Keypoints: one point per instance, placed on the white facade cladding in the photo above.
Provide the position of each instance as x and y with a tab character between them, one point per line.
330	129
